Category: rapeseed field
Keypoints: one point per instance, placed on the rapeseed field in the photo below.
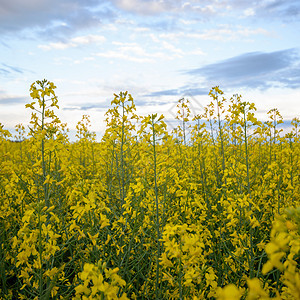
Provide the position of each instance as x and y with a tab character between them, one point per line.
210	210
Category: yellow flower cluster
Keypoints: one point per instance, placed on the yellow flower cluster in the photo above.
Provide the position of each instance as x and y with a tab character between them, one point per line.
283	257
95	283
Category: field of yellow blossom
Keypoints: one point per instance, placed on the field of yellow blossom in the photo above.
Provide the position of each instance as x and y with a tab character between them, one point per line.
210	210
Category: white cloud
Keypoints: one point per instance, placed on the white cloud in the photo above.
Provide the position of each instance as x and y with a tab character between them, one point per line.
155	7
135	52
141	29
119	55
222	33
177	51
154	37
187	22
196	52
75	42
141	7
249	12
248	32
88	58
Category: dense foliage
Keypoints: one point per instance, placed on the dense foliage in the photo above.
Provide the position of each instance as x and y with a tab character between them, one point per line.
209	211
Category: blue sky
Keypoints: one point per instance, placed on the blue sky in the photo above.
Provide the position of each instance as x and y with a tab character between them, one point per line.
158	50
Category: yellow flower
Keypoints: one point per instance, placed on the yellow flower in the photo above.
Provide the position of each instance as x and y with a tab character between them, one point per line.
165	261
229	292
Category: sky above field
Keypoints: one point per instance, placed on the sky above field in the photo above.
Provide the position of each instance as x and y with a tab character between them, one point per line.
157	50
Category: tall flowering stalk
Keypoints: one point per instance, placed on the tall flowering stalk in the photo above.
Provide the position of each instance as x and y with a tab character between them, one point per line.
44	124
154	128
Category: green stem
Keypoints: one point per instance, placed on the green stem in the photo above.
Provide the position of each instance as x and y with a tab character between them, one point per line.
157	290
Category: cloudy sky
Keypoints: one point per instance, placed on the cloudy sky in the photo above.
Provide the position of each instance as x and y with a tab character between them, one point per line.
158	50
